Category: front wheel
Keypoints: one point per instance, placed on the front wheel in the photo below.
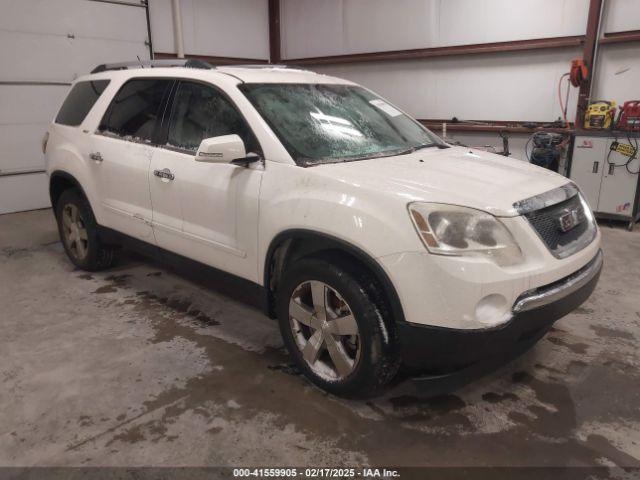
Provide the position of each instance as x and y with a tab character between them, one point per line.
335	333
79	232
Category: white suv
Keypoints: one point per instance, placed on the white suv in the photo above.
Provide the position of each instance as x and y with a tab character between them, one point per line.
373	242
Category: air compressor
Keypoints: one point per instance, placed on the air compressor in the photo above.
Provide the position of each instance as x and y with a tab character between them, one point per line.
547	149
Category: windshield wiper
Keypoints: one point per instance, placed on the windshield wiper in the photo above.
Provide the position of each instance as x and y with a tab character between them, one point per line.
431	145
310	162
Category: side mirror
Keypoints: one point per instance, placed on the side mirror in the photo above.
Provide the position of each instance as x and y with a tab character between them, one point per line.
222	149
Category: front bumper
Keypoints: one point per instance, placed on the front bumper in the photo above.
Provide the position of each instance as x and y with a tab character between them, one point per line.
533	314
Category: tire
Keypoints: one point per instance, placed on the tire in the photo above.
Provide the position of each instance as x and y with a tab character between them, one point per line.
370	353
79	232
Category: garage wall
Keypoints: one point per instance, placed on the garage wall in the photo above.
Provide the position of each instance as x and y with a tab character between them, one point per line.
333	27
507	86
219	28
472	87
468	87
621	16
44	46
618	72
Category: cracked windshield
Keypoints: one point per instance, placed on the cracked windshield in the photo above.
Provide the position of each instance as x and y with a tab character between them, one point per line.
320	123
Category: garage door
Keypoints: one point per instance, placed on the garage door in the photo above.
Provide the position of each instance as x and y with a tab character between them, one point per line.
44	45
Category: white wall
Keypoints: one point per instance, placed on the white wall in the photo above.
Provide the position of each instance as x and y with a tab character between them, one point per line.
621	16
509	86
617	76
618	73
223	28
313	28
512	86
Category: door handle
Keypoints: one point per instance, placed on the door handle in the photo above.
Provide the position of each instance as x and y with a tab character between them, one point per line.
96	157
595	167
612	168
165	174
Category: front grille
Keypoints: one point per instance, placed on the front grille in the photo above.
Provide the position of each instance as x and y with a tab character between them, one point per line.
547	223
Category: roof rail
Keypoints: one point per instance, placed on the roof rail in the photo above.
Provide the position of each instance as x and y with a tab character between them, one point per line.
179	62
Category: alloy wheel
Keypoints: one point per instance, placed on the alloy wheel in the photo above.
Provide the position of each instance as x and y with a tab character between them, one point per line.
325	330
75	231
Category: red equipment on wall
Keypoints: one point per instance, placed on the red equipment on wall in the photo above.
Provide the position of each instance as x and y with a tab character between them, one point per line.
629	116
579	72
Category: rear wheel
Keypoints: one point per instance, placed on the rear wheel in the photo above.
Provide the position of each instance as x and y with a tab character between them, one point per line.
333	329
79	233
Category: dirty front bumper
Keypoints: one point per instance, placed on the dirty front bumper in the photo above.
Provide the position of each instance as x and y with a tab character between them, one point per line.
450	350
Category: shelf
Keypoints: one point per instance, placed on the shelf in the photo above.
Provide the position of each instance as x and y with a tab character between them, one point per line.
493	127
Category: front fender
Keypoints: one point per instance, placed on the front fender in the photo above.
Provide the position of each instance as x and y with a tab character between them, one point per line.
293	197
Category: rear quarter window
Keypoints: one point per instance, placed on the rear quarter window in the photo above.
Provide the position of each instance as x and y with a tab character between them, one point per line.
80	100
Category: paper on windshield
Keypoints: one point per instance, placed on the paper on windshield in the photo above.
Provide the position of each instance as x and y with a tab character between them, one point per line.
385	107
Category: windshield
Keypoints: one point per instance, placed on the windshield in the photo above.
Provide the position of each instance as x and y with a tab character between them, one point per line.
334	123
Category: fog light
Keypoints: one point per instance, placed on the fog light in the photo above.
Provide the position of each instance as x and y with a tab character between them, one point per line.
493	310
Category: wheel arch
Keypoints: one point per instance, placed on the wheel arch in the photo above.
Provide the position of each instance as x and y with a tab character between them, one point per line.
59	181
293	244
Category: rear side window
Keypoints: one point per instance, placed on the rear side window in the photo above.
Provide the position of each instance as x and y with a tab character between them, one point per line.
134	110
81	98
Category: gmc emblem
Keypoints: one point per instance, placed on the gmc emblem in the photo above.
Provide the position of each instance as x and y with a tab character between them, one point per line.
571	219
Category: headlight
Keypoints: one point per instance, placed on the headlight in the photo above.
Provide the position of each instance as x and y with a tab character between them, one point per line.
452	230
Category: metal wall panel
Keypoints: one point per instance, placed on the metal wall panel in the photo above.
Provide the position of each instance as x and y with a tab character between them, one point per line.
219	28
334	27
618	72
621	16
470	87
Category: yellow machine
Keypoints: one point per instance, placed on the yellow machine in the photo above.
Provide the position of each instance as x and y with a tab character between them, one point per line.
600	115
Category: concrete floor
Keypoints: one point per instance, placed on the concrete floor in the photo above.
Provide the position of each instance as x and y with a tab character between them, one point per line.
140	366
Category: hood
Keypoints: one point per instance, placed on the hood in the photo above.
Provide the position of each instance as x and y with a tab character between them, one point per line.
456	175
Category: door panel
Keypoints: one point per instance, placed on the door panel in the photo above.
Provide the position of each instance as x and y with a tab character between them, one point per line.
221	219
209	211
166	199
122	152
122	184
